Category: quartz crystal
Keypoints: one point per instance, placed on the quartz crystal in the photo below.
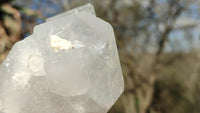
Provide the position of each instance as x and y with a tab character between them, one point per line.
69	64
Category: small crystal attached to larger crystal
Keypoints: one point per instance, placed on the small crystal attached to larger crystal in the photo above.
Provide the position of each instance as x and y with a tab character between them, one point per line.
69	65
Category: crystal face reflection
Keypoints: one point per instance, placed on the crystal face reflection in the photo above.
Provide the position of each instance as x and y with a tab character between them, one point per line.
69	65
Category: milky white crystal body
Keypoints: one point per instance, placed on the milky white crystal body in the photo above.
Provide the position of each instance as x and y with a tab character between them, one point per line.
69	65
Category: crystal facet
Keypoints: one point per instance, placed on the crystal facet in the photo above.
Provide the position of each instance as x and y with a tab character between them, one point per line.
69	65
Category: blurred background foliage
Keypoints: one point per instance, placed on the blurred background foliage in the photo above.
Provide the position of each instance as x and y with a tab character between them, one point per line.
158	43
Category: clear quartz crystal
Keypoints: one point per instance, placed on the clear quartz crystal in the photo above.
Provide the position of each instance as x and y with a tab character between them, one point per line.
69	65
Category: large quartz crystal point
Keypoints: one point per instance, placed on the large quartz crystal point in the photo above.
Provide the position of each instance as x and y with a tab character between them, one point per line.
69	65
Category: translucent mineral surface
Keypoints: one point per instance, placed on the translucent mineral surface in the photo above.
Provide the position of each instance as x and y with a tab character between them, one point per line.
69	64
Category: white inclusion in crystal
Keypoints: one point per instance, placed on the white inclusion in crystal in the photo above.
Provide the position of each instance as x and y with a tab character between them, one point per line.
21	79
36	64
7	64
58	43
79	108
78	44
